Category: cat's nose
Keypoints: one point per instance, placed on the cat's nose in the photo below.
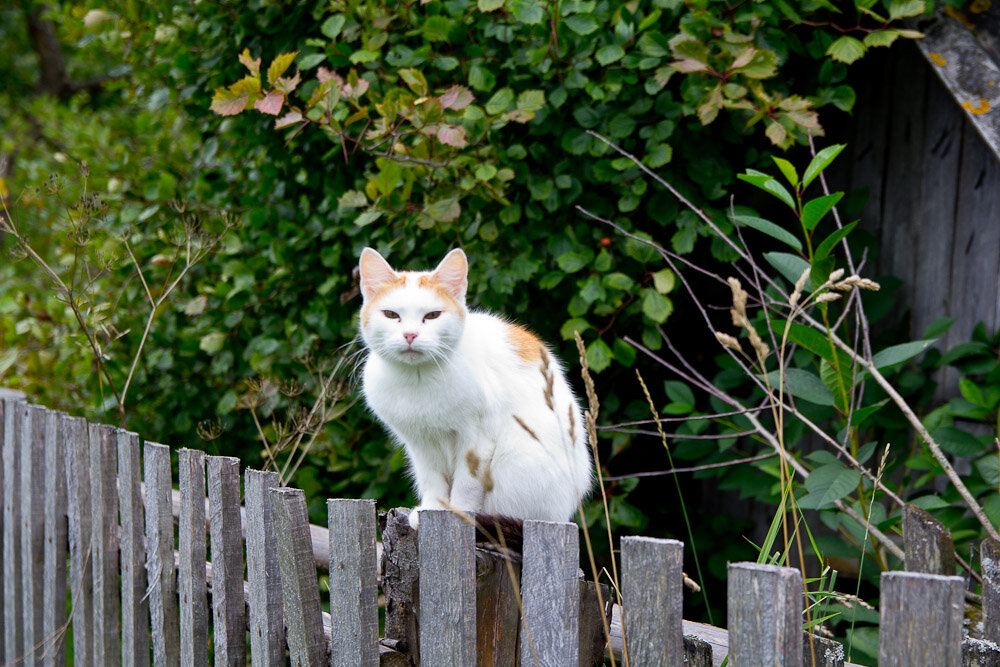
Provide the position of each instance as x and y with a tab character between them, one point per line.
410	337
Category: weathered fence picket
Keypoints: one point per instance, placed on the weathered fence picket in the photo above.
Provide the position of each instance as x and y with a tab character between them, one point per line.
303	615
81	576
267	623
651	590
192	559
104	544
226	539
32	524
77	492
135	637
353	583
920	620
550	593
446	544
764	614
57	432
160	570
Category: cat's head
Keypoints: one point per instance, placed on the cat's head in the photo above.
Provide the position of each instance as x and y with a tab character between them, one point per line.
413	317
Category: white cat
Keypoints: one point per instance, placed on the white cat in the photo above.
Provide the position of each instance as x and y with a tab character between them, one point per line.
483	410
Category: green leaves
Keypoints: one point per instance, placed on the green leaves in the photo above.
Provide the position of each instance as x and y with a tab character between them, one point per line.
769	228
846	49
897	354
828	484
769	184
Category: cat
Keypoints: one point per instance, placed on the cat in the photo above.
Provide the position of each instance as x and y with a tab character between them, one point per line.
482	408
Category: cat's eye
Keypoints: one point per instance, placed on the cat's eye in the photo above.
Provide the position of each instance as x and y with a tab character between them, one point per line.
391	314
433	315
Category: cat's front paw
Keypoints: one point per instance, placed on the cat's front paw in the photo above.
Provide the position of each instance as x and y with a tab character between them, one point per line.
414	518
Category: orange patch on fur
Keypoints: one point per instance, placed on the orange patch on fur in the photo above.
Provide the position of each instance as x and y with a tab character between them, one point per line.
382	290
526	344
427	282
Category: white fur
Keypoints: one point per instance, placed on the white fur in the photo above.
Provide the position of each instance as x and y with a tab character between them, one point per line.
457	385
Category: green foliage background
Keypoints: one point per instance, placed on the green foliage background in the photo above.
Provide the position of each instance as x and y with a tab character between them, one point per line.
698	91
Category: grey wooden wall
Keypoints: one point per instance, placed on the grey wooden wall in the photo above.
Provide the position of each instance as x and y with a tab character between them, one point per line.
934	194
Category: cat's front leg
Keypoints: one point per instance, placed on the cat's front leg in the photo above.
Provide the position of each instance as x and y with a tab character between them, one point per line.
467	490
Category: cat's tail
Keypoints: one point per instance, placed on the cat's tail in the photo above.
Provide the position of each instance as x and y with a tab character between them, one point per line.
500	531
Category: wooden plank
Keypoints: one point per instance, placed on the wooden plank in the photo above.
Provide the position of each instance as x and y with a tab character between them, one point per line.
306	646
927	543
104	555
595	622
3	430
979	653
353	583
920	620
446	545
161	573
401	583
267	623
32	490
192	558
79	525
228	609
57	432
498	616
550	593
12	601
135	627
652	600
764	614
989	561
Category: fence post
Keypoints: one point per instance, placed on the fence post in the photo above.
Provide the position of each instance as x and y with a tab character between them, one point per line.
81	574
104	555
920	620
764	615
401	583
928	544
989	559
267	623
160	568
228	605
550	594
54	569
446	549
12	610
353	583
306	646
135	626
32	524
191	545
652	600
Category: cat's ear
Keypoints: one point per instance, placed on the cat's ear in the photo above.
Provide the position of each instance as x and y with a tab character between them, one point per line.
375	273
453	274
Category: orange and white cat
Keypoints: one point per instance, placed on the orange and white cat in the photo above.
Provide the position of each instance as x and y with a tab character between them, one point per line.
484	412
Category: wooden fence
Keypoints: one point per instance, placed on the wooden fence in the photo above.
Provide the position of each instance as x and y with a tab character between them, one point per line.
134	592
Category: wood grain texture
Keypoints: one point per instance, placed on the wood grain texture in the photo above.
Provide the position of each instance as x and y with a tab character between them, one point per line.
927	543
81	574
652	600
446	545
160	570
12	600
54	567
595	621
401	583
498	617
267	622
104	554
135	614
764	614
32	491
989	560
228	608
3	431
911	605
192	559
353	583
550	594
306	645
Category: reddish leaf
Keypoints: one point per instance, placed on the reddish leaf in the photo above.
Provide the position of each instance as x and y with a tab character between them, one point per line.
324	75
289	118
226	103
271	104
279	65
456	97
356	91
286	85
452	135
252	64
